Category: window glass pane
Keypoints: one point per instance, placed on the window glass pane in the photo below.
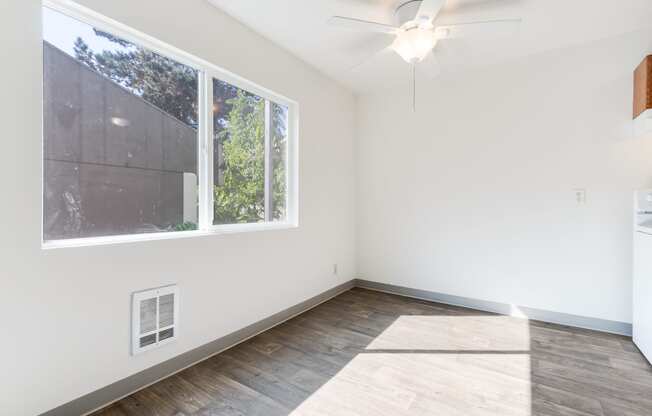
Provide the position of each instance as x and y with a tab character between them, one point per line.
120	132
279	161
239	142
241	129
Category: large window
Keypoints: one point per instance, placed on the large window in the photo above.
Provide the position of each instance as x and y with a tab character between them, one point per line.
142	139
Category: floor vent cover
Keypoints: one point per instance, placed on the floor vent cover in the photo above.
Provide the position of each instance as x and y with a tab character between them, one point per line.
155	317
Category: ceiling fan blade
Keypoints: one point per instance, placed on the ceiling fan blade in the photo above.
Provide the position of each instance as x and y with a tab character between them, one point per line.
429	10
374	56
490	28
362	25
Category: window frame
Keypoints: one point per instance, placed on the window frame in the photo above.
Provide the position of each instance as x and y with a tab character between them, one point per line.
206	72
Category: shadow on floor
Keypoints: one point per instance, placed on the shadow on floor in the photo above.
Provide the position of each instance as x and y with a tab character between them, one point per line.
369	353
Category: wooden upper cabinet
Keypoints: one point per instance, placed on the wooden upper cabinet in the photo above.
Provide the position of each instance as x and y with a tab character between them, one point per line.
643	87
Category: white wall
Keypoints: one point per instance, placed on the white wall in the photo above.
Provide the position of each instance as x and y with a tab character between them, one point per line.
472	195
65	313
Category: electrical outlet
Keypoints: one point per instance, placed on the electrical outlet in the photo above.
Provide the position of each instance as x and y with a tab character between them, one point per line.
580	196
335	268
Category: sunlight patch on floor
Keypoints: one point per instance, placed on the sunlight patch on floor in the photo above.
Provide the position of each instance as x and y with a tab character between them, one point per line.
426	384
434	365
455	333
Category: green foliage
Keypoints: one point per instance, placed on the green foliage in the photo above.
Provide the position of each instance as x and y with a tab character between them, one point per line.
279	161
186	226
241	198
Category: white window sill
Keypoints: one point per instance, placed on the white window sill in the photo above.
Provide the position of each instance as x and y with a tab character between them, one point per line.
173	235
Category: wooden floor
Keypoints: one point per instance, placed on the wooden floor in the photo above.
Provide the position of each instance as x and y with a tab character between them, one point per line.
368	353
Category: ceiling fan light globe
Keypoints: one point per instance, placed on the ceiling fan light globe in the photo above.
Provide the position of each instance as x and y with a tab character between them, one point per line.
415	44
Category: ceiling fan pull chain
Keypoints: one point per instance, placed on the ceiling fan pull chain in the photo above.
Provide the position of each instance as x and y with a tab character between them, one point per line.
414	88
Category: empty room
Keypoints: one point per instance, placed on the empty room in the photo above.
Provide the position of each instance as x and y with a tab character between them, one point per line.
326	208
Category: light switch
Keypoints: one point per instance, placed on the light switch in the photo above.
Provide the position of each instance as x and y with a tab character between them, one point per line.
580	196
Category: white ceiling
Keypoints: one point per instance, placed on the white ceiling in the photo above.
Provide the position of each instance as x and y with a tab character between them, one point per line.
301	27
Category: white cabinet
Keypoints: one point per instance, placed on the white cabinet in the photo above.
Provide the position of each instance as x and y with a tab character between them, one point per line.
642	305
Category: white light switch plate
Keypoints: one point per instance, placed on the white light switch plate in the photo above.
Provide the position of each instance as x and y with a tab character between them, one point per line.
580	196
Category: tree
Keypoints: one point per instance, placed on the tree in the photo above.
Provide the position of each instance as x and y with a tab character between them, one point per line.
241	197
279	153
163	82
166	84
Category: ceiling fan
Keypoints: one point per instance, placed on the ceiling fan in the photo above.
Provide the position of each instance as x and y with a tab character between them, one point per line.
416	34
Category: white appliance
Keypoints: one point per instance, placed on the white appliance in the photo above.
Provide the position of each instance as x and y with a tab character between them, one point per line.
642	300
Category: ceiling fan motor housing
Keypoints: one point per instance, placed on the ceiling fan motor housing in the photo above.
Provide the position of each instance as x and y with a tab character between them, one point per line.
407	11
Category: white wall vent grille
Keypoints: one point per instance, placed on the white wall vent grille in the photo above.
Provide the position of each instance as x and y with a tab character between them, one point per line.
155	318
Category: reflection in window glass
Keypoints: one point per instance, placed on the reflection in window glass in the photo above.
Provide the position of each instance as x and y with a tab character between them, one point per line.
120	133
250	183
279	161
